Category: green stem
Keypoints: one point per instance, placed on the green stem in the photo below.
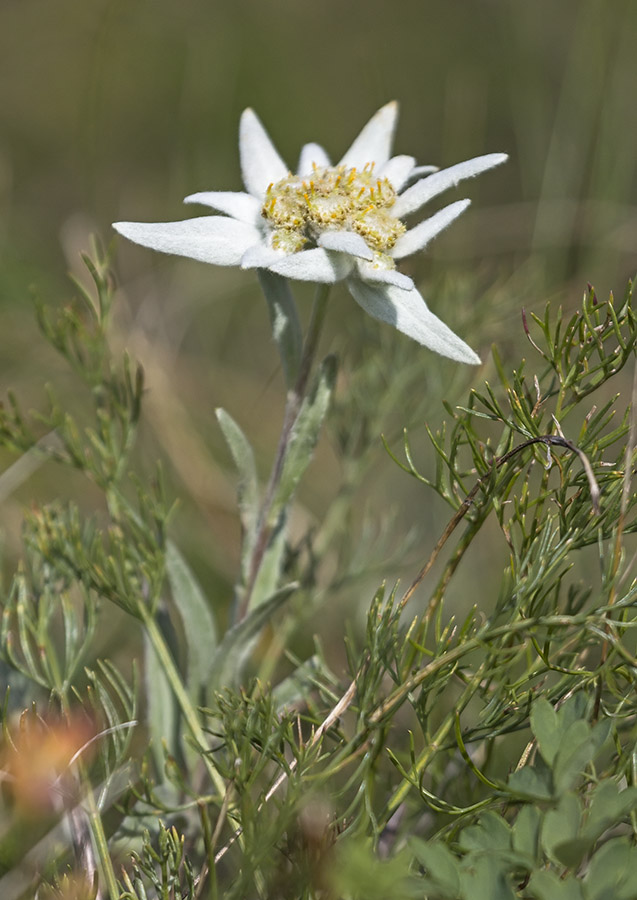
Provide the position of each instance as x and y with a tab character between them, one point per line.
315	327
434	745
398	696
101	843
292	409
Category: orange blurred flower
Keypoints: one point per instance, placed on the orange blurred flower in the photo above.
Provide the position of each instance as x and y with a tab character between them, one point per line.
36	761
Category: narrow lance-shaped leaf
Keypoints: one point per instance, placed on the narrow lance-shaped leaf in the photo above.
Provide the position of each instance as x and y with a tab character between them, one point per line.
248	488
233	651
295	688
198	621
162	715
305	434
267	579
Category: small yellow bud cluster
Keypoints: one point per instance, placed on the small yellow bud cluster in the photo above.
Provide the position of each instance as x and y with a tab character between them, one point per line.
300	208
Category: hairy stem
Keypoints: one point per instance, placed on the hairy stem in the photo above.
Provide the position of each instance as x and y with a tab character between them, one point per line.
293	404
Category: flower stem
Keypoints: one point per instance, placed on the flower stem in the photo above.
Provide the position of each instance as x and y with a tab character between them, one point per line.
293	404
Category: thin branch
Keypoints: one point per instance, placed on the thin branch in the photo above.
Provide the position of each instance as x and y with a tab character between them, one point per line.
335	713
551	440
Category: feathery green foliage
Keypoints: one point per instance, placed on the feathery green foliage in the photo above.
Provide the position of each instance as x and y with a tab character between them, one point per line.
478	746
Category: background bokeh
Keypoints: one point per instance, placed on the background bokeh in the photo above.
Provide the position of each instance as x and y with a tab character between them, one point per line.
117	109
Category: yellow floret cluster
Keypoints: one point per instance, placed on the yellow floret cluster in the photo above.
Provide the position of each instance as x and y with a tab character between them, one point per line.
300	208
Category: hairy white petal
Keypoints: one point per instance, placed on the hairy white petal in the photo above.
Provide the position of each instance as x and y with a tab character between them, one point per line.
398	171
210	239
420	235
378	275
408	312
420	172
260	163
237	204
261	256
312	153
345	242
374	142
423	191
314	265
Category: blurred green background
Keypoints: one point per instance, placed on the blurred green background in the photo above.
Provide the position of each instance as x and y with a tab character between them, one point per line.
117	109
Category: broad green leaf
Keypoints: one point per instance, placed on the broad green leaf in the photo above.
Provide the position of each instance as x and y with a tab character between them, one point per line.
546	727
545	885
485	878
561	824
356	872
198	622
248	487
305	434
612	872
284	319
600	733
526	831
577	749
491	833
573	709
441	866
238	642
571	853
531	782
608	807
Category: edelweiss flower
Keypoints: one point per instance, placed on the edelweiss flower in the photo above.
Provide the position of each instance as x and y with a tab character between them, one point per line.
328	223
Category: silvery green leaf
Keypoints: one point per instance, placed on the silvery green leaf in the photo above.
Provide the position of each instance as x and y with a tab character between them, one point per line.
295	688
232	653
305	434
248	488
161	713
197	619
267	579
284	318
